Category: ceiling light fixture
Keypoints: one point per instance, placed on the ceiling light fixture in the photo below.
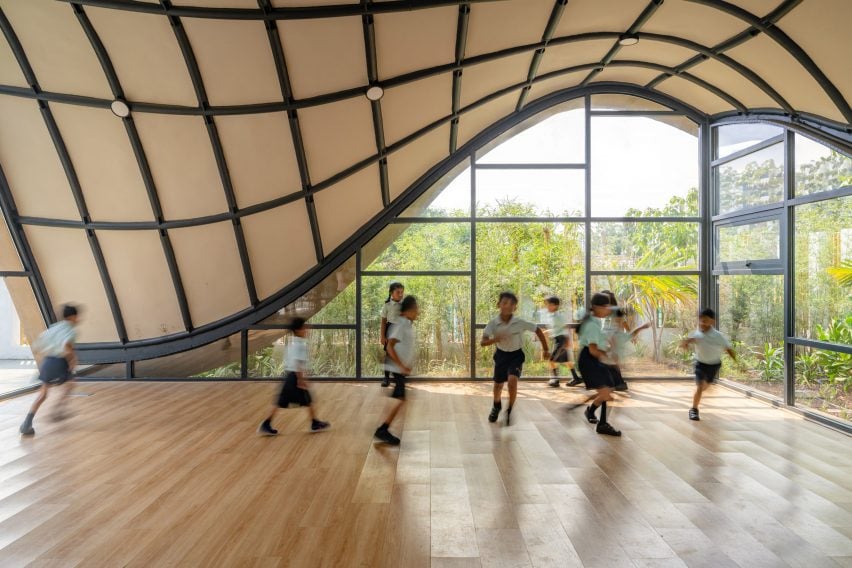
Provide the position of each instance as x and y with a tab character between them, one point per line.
375	93
628	39
119	108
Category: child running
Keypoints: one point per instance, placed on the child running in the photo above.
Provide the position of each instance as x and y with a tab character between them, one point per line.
294	386
56	346
709	345
558	331
506	331
619	336
594	345
402	352
390	316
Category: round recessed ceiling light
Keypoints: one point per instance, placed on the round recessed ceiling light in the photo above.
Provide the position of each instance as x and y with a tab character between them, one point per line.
375	93
119	108
628	39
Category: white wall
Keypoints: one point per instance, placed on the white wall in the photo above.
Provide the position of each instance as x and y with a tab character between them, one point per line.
10	328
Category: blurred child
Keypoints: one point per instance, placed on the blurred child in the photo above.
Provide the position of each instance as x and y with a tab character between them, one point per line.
390	316
563	351
709	344
506	331
56	347
620	336
294	386
402	353
594	345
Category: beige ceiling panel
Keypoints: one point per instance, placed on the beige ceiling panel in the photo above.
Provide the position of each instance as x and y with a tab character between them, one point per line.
486	78
695	22
548	86
324	55
10	71
692	94
573	54
57	47
64	252
140	276
9	259
146	56
659	52
619	74
26	307
31	164
409	107
336	136
280	246
733	83
759	8
615	101
211	271
778	68
407	164
183	165
105	163
493	26
343	208
259	152
583	16
816	27
237	71
408	41
475	121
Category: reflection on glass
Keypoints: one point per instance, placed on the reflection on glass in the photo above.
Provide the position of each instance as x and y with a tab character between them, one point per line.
443	328
449	197
534	260
220	359
640	163
822	381
755	179
331	301
824	270
751	314
735	137
669	303
331	353
819	168
644	246
530	193
558	139
428	246
754	241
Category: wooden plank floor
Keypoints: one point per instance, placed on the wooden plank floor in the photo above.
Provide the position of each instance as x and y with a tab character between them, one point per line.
172	474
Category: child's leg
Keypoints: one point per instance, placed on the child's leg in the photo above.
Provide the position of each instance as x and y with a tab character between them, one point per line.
699	390
498	392
513	390
42	396
394	410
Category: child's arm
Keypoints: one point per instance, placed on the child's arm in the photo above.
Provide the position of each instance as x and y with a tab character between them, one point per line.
395	358
596	353
543	338
731	353
687	342
642	327
383	339
301	380
71	357
486	341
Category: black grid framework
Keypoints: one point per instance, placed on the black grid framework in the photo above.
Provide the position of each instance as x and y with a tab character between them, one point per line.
832	132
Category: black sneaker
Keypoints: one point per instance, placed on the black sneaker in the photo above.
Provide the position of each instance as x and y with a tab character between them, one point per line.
693	414
386	382
495	412
553	383
622	387
319	426
385	436
508	415
590	415
606	429
27	429
266	429
575	382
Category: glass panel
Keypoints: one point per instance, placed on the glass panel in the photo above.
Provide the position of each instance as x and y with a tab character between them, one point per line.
17	367
824	270
449	197
644	246
329	302
530	193
443	329
421	246
220	359
751	314
819	168
332	353
534	260
640	163
822	381
755	179
735	137
558	139
755	241
614	101
669	303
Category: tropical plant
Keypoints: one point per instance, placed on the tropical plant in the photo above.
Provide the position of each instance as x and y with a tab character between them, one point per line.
770	361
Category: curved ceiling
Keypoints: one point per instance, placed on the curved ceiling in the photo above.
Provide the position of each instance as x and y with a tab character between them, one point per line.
251	153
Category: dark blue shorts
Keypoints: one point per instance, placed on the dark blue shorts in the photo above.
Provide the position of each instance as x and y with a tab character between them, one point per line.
706	372
508	363
54	371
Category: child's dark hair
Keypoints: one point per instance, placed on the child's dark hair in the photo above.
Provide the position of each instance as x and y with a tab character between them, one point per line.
553	300
708	313
598	299
507	296
611	296
407	303
392	288
295	324
69	310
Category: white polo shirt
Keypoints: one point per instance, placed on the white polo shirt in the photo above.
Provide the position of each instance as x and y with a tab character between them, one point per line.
510	334
709	346
406	347
391	311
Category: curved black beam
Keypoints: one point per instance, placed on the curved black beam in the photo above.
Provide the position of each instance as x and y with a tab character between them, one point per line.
369	28
549	30
218	152
461	45
161	346
142	162
70	174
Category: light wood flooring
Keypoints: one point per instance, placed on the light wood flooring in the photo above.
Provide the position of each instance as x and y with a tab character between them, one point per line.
173	474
